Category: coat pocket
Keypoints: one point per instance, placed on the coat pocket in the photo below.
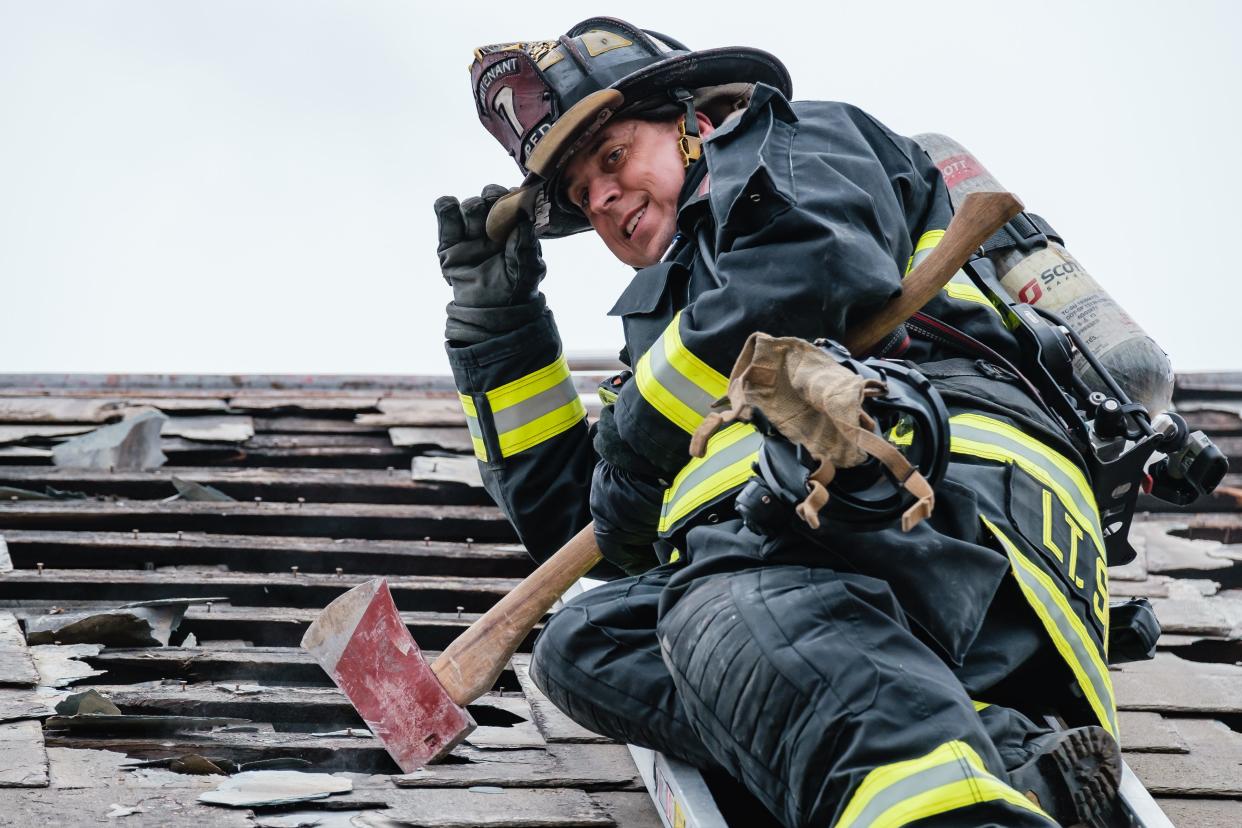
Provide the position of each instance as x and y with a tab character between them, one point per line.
646	305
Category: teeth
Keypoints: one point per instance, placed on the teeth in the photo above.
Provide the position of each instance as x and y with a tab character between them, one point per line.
629	231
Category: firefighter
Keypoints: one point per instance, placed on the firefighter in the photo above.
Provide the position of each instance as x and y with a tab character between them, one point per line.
850	679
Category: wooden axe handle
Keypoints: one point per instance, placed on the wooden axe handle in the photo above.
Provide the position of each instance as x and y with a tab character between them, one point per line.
469	666
981	215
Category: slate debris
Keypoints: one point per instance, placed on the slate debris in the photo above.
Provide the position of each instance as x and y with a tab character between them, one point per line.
251	789
61	665
125	627
195	765
216	428
189	490
88	702
130	445
118	811
47	493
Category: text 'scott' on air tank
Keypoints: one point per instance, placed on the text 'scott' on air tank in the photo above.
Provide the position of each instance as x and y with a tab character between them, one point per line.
1047	276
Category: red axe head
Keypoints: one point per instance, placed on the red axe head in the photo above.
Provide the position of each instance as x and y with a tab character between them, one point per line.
360	641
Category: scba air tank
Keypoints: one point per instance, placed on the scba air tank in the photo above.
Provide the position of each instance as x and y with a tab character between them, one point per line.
1048	277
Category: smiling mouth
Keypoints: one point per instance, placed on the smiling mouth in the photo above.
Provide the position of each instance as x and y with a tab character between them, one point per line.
633	225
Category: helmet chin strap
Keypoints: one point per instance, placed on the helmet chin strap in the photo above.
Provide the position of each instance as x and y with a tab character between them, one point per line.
688	141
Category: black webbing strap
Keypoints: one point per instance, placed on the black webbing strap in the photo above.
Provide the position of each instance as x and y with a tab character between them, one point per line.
1025	231
685	97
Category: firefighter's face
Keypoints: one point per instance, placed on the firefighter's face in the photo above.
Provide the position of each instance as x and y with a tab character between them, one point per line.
626	181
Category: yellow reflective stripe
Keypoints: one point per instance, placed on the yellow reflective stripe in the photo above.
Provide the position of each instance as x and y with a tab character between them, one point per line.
929	240
1079	501
523	388
980	705
690	366
1065	628
950	777
529	410
662	400
675	556
955	795
677	383
926	242
542	428
472	424
725	465
961	287
968	293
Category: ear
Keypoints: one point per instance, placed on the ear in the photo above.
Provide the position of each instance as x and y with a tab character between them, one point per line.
705	124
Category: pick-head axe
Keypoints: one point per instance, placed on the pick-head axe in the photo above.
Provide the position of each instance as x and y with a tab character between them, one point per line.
418	710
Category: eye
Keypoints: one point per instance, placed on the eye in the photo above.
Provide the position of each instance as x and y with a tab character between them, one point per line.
583	198
614	157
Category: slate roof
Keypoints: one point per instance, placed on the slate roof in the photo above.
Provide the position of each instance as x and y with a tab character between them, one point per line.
334	481
338	479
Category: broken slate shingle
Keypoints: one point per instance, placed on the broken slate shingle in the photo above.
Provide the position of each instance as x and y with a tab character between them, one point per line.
255	788
134	627
224	429
88	702
131	445
201	492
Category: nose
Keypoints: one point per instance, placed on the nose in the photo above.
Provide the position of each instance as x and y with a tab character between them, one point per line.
602	192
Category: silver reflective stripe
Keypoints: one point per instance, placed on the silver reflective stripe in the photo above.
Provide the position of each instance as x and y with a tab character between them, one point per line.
707	479
674	382
913	785
959	278
534	408
923	248
986	435
919	256
545	402
949	778
1068	633
473	425
960	286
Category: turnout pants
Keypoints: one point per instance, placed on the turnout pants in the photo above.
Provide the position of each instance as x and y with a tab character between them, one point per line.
802	682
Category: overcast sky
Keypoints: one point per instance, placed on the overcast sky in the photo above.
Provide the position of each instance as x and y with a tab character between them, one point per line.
246	185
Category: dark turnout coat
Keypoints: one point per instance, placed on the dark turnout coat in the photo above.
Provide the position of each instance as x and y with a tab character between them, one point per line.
811	214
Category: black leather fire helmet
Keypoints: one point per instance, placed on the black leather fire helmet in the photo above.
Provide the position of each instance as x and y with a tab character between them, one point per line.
542	100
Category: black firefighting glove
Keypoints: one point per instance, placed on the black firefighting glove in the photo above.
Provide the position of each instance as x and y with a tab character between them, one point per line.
495	286
626	510
626	495
611	447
